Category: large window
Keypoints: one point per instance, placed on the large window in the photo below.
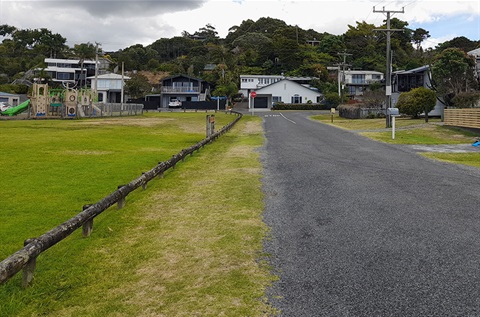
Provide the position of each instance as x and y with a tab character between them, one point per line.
64	76
277	98
358	79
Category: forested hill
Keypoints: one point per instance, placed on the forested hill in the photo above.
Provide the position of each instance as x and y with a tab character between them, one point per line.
265	46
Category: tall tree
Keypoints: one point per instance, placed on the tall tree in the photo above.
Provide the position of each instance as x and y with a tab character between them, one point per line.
84	51
452	73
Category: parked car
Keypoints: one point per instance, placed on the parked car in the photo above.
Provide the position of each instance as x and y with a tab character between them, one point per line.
175	103
4	106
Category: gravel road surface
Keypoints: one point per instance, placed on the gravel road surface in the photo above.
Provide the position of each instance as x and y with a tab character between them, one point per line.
362	228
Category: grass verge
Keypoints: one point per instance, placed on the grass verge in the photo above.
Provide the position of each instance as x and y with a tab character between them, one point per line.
190	245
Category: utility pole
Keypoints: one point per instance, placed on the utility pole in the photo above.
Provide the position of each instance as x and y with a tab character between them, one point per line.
388	75
343	64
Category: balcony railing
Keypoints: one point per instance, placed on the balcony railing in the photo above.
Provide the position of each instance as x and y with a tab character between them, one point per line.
170	89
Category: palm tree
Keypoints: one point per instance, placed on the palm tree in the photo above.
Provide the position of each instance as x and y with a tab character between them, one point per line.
84	51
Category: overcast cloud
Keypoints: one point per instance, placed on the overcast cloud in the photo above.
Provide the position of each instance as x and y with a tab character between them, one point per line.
119	24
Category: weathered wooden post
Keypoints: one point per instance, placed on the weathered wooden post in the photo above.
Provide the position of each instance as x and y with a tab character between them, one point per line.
29	268
121	201
144	183
87	226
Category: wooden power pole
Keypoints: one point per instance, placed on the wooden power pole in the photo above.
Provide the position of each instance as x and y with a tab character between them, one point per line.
388	75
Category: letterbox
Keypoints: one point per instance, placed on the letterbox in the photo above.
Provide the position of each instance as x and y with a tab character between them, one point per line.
392	112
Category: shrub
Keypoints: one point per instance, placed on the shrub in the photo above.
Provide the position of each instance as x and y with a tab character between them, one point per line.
416	101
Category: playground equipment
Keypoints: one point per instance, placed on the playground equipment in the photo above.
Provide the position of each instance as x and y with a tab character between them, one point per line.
16	110
60	103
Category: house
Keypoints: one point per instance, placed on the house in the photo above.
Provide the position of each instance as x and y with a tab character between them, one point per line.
287	91
476	54
70	71
249	83
406	80
109	87
357	81
182	88
13	100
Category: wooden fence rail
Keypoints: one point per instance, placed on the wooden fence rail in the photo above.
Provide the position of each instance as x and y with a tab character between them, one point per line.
25	258
467	118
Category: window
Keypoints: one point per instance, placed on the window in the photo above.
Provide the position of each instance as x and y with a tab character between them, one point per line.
277	98
358	79
296	99
64	76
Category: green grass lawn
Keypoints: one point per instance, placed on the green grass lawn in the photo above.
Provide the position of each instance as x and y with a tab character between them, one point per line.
191	244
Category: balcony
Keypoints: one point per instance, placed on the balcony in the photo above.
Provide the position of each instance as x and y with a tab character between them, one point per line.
183	90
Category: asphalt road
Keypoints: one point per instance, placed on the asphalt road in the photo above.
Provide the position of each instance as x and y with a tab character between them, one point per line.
362	228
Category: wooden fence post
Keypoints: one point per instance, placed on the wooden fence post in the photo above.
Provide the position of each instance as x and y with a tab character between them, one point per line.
29	268
87	226
144	184
121	201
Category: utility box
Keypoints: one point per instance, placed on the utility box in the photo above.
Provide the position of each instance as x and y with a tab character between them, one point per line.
393	112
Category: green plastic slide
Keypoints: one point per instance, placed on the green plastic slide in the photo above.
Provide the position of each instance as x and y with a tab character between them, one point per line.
16	110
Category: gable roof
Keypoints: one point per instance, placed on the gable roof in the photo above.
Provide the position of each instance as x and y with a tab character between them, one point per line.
290	82
186	76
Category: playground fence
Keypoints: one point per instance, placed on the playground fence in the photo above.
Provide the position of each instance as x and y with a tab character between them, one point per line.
25	258
112	110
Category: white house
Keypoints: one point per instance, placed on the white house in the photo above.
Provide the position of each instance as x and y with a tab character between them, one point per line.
70	71
109	87
406	80
11	99
286	91
476	54
249	83
356	81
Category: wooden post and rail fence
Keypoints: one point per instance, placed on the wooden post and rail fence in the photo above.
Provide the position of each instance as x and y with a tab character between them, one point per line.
25	258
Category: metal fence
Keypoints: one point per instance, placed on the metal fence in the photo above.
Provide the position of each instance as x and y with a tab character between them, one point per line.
111	110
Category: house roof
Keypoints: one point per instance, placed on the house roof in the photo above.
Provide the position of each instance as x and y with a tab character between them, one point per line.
369	72
414	70
475	52
290	81
110	76
186	76
7	94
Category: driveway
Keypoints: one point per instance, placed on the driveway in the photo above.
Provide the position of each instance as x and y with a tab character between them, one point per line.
362	228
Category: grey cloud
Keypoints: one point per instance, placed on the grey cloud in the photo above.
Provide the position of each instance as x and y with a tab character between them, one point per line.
127	8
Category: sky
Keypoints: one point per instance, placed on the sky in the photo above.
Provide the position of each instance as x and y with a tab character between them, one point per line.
118	24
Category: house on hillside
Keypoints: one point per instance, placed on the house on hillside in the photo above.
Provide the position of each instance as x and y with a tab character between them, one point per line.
476	54
357	81
70	71
109	87
182	88
406	80
286	91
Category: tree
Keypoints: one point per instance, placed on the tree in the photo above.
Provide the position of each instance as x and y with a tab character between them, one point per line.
416	101
137	86
452	73
84	51
418	36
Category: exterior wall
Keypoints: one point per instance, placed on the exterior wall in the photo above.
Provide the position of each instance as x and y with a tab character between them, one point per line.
285	90
13	100
408	80
357	81
183	88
